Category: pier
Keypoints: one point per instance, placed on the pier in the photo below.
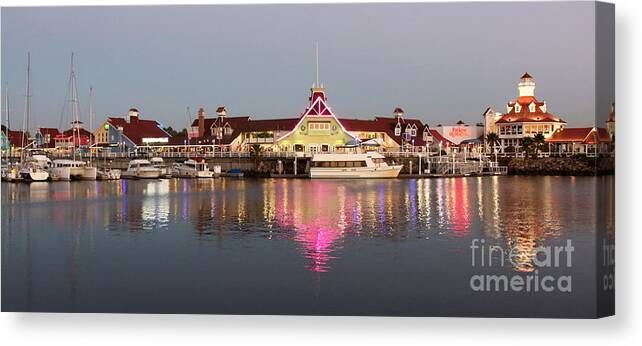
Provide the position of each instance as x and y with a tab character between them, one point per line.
297	164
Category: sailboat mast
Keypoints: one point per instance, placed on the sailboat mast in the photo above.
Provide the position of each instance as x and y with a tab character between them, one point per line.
91	115
188	116
6	105
25	120
6	111
75	130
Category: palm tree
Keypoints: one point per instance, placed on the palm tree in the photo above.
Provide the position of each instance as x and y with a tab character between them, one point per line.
539	141
492	139
527	144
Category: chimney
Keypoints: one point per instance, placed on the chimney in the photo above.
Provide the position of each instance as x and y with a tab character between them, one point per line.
133	115
201	122
221	111
398	112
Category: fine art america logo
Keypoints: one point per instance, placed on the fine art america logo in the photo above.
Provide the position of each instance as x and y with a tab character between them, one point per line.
528	265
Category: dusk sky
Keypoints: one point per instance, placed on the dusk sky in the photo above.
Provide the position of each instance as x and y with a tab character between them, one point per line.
440	62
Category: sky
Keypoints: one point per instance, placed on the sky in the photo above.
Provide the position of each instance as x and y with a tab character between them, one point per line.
441	62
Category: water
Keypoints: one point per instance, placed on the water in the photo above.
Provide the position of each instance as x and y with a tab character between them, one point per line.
277	246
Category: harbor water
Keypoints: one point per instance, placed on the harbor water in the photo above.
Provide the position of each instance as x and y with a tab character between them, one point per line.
300	246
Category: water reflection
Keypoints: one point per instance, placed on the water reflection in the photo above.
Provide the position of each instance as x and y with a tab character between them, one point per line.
320	216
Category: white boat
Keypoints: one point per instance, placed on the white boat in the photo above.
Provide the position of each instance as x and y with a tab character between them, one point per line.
31	171
141	169
193	168
72	170
348	165
166	172
108	174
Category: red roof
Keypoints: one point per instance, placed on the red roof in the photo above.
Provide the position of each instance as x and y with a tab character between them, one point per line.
48	131
585	135
80	132
52	133
285	124
138	129
237	124
525	115
15	137
526	75
437	137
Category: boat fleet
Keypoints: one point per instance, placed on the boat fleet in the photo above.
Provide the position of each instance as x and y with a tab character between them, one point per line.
42	168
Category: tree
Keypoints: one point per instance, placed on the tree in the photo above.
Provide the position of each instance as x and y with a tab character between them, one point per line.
492	139
539	141
527	145
170	130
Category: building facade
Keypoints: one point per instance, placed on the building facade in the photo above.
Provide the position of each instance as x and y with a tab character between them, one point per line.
316	129
125	134
525	117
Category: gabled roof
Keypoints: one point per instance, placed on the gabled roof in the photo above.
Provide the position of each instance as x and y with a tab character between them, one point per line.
437	138
80	132
585	135
525	115
51	131
138	129
238	124
389	124
284	124
14	137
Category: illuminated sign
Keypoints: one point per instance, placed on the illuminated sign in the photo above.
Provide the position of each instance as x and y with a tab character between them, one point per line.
459	132
155	140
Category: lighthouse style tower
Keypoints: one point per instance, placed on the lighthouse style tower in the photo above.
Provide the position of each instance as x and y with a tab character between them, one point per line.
524	117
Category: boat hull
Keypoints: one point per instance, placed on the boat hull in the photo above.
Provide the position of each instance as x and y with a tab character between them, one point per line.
89	173
31	175
141	174
354	173
60	173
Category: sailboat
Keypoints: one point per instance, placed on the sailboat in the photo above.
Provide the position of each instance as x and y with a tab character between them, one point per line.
78	169
9	170
31	169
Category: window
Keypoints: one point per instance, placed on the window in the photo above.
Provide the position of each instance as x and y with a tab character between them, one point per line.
531	107
518	108
398	130
319	126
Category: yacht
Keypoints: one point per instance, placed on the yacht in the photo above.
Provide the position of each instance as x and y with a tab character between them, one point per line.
72	170
166	172
141	169
193	168
350	165
31	171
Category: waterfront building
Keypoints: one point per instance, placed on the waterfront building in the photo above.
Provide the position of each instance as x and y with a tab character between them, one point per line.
123	134
461	133
45	137
75	137
222	131
580	140
13	139
316	129
525	117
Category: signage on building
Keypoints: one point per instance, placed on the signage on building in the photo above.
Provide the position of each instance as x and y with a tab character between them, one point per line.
459	132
